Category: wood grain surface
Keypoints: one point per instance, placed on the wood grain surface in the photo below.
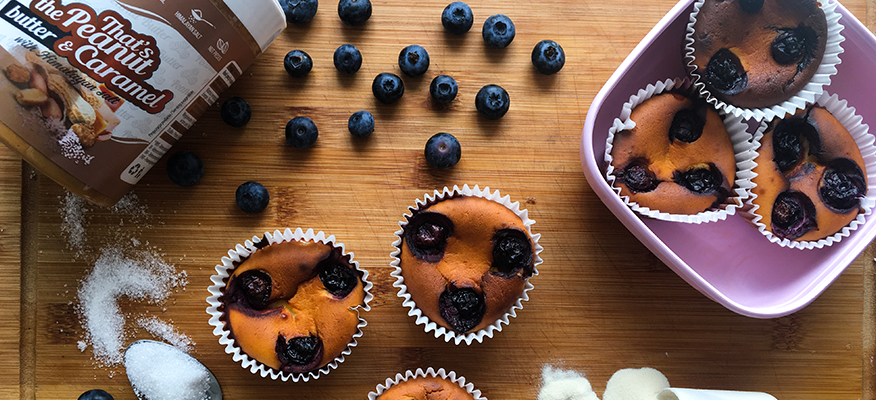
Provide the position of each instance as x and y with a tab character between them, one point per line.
602	301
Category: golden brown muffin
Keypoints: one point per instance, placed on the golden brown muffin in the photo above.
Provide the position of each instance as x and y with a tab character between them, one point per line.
810	176
426	388
293	305
758	53
465	261
678	159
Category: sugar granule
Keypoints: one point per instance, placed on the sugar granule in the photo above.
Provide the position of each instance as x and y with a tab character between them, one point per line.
73	210
142	276
635	384
159	372
560	384
130	205
165	331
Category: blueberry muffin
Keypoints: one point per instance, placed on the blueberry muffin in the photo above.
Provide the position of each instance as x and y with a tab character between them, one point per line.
758	53
811	176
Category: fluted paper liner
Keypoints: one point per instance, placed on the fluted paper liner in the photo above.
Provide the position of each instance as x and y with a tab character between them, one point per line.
742	148
801	99
853	122
430	372
242	251
422	319
703	394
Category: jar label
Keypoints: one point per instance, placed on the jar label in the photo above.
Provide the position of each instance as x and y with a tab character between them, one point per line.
103	88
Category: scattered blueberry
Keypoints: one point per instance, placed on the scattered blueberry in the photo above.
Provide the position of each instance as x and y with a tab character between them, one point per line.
361	124
442	151
184	168
413	60
457	18
387	87
95	394
235	112
548	57
498	31
301	132
443	89
299	11
252	197
354	12
297	63
348	59
492	101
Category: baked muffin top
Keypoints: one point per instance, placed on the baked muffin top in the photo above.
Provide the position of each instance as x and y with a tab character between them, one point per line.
426	388
465	261
678	159
293	305
758	53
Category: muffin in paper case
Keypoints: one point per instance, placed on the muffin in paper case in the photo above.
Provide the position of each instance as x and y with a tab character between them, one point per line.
804	97
428	373
859	131
217	303
479	218
740	139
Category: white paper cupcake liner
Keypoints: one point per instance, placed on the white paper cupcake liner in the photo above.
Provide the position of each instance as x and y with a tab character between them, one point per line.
430	373
242	251
804	97
421	318
742	148
853	122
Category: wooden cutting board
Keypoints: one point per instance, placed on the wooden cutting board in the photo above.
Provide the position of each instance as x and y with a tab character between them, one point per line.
602	301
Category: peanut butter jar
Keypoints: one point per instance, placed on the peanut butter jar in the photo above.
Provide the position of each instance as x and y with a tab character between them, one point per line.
94	92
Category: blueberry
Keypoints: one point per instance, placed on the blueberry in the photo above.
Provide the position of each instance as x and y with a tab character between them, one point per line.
793	45
457	18
751	6
299	354
413	60
687	125
512	253
548	57
492	101
95	394
387	87
462	308
347	59
724	73
788	139
338	279
301	132
793	215
426	235
255	285
354	12
184	168
637	177
299	11
297	63
252	197
842	186
442	151
361	124
235	112
443	89
702	180
498	31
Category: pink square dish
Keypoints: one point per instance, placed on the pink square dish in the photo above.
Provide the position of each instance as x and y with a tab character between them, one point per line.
729	261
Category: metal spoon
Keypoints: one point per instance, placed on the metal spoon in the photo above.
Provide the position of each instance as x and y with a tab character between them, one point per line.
214	392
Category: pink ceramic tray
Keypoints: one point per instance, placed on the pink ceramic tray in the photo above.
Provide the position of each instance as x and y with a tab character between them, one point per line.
729	261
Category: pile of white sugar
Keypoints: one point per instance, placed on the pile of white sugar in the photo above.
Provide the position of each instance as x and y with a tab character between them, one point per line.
139	276
160	372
